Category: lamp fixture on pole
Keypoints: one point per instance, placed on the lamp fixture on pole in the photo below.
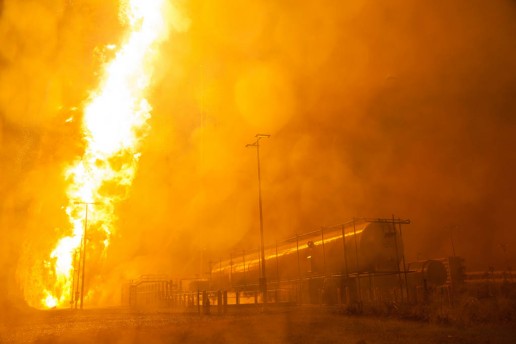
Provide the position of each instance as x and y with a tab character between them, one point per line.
86	204
263	279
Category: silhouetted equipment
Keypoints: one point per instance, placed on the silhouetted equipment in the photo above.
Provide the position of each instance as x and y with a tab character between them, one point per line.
356	264
83	256
262	279
431	272
319	260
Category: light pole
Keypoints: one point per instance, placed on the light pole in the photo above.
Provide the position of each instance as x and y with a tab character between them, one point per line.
86	204
263	279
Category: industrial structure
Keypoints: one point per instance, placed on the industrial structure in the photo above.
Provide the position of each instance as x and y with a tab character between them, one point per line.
360	262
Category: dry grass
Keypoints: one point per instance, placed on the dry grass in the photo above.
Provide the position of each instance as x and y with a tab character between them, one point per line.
254	325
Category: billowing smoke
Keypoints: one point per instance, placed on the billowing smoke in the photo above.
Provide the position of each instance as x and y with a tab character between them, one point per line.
375	108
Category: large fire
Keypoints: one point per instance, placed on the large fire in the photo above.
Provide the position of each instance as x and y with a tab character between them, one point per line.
114	123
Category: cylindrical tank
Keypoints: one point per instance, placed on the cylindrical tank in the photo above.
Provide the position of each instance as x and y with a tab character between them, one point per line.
379	247
358	246
432	272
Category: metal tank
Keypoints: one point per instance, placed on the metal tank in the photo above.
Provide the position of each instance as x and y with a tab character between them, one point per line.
429	272
358	246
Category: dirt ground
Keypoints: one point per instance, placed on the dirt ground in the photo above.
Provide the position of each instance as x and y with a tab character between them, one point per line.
252	325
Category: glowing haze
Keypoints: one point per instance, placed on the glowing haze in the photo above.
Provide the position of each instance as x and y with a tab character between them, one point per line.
374	107
114	123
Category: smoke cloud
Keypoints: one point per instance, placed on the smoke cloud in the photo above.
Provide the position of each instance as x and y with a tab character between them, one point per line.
374	108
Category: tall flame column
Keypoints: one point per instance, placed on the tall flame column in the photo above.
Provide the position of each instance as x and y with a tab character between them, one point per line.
114	124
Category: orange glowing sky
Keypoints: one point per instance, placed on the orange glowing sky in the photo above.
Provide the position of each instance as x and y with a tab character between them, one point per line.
375	108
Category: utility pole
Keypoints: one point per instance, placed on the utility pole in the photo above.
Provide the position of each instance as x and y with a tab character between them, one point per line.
86	204
263	279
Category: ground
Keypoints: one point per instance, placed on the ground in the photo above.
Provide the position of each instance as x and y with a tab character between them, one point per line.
251	325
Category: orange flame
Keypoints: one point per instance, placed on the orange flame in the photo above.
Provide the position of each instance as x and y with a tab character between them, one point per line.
114	124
